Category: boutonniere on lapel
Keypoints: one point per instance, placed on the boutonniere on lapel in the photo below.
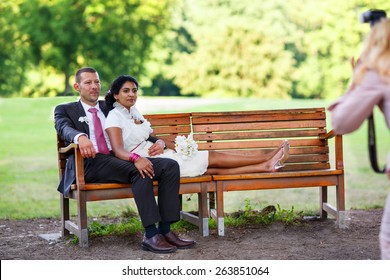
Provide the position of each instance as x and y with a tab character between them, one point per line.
84	119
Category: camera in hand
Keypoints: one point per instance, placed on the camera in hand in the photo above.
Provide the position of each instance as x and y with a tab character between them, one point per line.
372	16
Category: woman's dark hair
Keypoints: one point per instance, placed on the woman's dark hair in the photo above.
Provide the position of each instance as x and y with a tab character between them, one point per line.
115	88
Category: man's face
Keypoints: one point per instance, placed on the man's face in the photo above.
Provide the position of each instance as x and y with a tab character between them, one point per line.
89	88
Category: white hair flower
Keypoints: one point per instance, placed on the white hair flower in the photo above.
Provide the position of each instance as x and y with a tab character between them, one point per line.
186	146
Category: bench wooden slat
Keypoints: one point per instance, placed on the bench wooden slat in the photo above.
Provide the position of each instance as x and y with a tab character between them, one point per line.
285	134
278	183
309	150
308	146
168	119
260	117
234	127
306	166
262	112
308	158
308	173
171	130
294	143
100	186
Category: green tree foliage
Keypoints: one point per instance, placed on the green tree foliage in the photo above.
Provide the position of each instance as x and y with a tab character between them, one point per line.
12	60
124	33
329	34
278	48
236	54
297	48
53	31
114	36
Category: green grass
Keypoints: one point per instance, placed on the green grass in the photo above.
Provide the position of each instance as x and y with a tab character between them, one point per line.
29	175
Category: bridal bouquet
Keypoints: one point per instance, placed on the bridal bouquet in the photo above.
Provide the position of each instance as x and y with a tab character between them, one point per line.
186	146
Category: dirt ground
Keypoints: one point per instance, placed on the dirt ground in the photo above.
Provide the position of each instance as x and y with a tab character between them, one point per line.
310	240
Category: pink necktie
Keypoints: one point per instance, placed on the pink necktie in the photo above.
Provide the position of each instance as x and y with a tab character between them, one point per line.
100	140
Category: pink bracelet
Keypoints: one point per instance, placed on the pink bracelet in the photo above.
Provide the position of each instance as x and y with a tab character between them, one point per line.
133	157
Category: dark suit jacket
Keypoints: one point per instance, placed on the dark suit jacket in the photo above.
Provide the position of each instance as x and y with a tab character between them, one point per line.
67	124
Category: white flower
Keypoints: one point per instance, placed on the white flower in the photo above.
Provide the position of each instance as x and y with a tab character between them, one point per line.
186	146
84	119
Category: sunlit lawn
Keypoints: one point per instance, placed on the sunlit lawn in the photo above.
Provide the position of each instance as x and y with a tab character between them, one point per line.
28	163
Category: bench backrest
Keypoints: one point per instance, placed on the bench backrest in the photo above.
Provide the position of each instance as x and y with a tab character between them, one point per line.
168	126
246	130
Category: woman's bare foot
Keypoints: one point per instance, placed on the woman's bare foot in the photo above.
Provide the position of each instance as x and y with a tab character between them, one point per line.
286	152
280	157
281	146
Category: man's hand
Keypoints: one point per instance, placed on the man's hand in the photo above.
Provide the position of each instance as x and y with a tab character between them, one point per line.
157	148
86	147
145	167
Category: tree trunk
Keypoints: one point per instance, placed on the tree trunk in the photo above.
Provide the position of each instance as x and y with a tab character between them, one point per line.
68	88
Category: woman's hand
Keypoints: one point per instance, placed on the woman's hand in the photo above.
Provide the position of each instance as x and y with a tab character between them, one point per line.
157	148
145	167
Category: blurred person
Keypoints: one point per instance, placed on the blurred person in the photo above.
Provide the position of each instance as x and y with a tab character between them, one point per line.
370	87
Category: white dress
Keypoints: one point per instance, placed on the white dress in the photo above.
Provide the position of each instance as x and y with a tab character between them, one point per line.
134	139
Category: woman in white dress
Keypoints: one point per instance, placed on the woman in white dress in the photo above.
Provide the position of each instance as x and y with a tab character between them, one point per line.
131	137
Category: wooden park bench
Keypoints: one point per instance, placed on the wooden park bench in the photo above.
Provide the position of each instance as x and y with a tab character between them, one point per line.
167	127
308	164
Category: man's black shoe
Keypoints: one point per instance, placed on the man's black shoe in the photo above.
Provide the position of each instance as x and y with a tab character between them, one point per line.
158	244
173	239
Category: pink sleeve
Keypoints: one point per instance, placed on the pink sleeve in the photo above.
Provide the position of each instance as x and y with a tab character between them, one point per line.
349	112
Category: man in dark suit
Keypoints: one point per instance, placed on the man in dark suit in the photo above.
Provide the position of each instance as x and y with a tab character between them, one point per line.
74	123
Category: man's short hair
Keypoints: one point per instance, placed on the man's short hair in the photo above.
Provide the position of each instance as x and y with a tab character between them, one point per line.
83	70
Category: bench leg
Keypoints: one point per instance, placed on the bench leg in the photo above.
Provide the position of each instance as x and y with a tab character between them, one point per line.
203	212
220	212
64	204
181	201
323	201
342	219
203	221
212	207
212	200
82	219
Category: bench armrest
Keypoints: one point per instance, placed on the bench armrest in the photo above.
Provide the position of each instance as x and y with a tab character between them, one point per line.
338	148
68	148
328	135
79	162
